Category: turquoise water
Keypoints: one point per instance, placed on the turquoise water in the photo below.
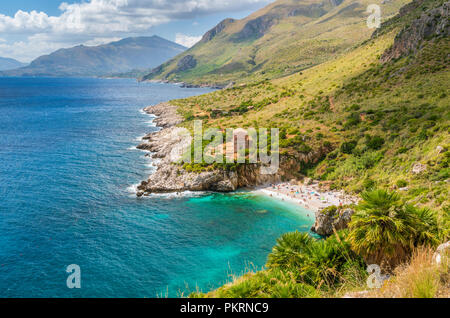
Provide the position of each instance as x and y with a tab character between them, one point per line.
67	167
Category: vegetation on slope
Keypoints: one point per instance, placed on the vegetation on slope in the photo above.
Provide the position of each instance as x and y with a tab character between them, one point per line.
382	113
285	37
420	278
375	120
302	266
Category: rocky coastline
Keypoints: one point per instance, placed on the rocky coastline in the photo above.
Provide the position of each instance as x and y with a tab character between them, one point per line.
190	85
167	145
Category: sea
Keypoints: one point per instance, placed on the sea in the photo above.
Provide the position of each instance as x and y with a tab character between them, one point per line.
68	174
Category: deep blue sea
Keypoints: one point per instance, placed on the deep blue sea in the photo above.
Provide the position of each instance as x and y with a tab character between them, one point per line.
67	170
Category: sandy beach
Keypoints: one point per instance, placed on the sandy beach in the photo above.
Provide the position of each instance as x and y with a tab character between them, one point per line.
308	196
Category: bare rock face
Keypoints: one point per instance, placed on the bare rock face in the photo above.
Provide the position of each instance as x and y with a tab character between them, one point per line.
211	34
442	252
167	115
257	27
331	219
433	23
418	168
171	177
172	142
440	149
186	63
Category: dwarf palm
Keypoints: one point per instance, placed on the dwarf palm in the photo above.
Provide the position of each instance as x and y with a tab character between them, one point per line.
291	250
315	262
426	225
382	229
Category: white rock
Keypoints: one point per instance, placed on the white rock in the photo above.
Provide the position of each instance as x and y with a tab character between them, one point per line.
442	251
418	168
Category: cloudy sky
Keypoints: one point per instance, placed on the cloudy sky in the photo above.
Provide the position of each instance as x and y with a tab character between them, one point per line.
30	28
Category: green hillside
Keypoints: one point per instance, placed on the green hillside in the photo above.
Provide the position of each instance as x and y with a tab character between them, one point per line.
375	119
285	37
381	114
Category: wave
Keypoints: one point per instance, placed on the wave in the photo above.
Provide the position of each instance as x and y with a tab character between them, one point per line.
133	188
140	138
173	195
143	112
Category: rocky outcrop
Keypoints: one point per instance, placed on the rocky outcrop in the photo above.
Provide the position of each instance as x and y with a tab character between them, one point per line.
442	252
167	115
173	178
216	30
418	168
431	24
256	28
172	142
186	63
330	219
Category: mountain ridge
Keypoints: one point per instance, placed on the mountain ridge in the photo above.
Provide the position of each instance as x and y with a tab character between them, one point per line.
120	56
7	63
283	38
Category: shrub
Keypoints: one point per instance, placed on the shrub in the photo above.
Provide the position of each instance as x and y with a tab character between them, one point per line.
402	150
385	229
375	142
315	262
368	184
401	183
273	283
421	278
352	120
347	147
369	160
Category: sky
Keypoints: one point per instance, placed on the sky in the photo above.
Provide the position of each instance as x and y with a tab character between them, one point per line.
31	28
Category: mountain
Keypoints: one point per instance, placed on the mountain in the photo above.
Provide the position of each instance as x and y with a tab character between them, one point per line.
375	117
115	57
285	37
9	64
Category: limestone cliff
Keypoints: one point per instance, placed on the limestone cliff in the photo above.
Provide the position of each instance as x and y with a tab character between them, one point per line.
431	24
169	144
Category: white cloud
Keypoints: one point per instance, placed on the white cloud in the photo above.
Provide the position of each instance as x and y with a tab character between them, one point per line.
100	16
31	48
187	40
100	41
89	21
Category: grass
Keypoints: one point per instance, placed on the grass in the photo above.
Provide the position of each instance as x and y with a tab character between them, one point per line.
420	278
294	43
374	120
